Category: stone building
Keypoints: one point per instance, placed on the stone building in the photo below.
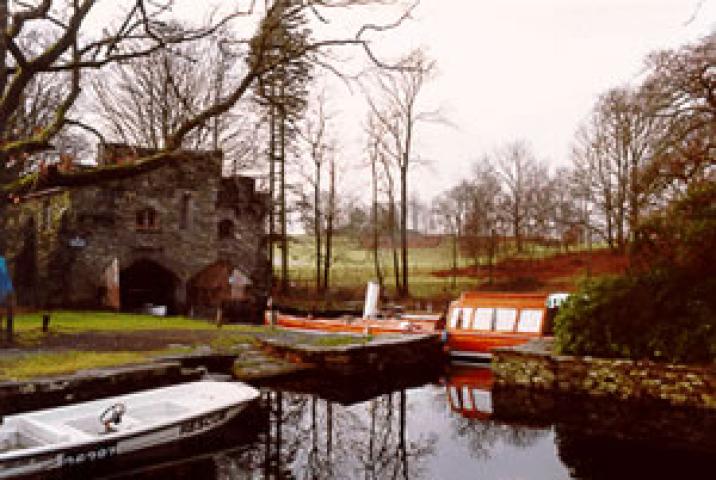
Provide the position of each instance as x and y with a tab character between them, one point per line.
167	231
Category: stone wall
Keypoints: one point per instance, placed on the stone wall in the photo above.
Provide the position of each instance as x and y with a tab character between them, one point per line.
693	386
60	241
380	354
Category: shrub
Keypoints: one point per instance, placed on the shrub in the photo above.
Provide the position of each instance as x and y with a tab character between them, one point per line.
662	315
665	308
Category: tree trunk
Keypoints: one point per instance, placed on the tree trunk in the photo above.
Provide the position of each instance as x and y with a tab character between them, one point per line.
608	214
633	197
284	233
376	237
317	223
392	221
404	226
329	225
454	259
272	194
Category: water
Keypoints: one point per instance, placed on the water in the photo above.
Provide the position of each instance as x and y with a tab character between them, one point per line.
425	427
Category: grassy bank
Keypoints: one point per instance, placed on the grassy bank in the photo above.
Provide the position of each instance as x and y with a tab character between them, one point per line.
430	269
71	321
21	367
79	341
353	266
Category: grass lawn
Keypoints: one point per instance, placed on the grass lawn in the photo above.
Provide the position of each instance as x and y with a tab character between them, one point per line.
353	267
70	321
134	339
57	363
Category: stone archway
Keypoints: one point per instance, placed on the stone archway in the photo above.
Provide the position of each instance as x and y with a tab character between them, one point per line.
147	282
209	287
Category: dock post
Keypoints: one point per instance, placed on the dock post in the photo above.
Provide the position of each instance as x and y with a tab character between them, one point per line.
10	321
219	317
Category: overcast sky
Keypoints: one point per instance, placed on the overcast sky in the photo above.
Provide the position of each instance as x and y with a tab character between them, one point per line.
532	69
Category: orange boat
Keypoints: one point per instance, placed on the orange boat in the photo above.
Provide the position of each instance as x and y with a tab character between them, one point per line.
406	323
477	322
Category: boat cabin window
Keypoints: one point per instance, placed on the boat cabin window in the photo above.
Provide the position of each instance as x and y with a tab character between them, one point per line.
530	321
483	319
505	319
455	317
466	318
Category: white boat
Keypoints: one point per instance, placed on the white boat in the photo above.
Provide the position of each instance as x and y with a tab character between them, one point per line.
100	429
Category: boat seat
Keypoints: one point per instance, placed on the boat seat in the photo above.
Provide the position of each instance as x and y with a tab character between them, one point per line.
43	433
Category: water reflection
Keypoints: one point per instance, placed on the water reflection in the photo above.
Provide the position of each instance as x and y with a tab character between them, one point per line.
319	439
469	393
451	426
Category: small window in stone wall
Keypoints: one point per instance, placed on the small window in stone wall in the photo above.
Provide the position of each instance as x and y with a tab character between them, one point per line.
226	229
147	220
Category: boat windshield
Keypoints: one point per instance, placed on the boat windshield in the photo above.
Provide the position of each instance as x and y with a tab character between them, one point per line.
530	321
505	319
483	319
455	317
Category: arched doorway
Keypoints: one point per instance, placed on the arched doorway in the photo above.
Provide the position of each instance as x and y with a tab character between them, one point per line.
147	282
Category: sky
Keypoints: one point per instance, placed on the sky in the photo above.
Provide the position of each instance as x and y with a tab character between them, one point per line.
507	70
532	69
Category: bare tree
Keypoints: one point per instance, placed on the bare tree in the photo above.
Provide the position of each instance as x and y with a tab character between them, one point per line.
331	214
67	50
612	151
518	171
480	221
397	110
452	207
143	100
392	219
375	131
315	134
138	30
680	89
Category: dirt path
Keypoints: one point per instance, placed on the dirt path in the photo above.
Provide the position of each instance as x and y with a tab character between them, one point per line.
144	340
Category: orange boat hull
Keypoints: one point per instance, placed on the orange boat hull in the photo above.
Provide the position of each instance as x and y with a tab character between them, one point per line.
484	342
352	325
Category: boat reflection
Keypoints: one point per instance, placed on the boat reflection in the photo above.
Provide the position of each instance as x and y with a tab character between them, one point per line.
468	390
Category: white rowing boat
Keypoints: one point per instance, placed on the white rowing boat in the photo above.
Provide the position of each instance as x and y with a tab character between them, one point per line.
94	431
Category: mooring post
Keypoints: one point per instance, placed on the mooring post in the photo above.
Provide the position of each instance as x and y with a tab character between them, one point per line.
219	317
10	320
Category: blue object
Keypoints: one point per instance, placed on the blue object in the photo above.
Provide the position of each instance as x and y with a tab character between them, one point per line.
5	282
